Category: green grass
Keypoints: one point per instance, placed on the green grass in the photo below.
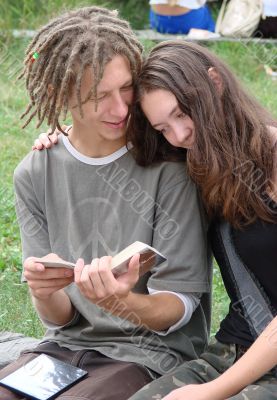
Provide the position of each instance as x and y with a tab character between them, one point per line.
16	312
29	14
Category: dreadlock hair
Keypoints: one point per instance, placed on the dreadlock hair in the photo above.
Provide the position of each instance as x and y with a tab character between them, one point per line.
61	51
232	159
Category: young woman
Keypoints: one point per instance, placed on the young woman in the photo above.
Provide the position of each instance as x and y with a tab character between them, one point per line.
189	100
179	16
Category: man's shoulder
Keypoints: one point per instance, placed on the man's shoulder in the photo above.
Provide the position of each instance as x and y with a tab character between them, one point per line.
175	166
35	162
158	171
172	172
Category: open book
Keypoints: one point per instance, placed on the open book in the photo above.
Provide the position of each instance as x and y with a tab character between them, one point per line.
149	258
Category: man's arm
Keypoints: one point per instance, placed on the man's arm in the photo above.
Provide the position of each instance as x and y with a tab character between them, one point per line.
46	288
157	313
97	283
51	302
49	312
186	271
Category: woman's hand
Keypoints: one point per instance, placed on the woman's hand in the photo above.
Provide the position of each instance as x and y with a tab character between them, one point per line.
46	141
204	391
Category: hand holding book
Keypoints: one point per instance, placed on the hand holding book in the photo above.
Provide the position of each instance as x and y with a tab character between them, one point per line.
149	258
44	282
47	275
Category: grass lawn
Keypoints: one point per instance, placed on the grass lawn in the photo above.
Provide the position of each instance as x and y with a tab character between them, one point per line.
29	14
16	312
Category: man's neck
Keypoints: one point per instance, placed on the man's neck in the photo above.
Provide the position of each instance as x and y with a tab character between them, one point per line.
91	145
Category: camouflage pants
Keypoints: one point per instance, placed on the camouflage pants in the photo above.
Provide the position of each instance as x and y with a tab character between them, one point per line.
209	366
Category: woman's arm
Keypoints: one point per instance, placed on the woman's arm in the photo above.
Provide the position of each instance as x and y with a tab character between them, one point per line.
259	359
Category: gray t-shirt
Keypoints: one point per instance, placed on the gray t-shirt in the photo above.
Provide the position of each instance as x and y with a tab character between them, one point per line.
76	206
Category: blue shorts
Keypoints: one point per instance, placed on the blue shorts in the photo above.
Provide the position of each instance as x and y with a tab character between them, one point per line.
200	18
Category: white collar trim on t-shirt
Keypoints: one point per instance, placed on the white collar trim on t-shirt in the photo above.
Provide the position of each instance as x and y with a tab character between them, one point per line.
94	161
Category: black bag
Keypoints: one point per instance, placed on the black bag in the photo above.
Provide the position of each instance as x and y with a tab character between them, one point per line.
267	28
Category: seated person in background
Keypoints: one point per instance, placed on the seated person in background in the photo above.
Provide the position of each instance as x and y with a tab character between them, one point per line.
268	24
179	16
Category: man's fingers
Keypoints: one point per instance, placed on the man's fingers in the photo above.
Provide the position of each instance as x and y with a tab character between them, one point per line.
133	270
132	275
50	283
46	292
43	276
85	284
78	270
36	271
99	284
134	264
107	276
81	275
30	265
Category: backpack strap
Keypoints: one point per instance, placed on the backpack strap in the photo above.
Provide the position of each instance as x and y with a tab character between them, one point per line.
251	297
220	16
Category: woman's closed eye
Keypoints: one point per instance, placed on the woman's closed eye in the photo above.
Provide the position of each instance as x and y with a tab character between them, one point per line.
162	131
181	115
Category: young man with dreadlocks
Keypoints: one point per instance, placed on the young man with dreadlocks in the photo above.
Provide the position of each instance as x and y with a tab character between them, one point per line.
86	198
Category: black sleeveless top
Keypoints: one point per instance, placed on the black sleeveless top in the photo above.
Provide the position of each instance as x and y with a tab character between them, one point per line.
256	245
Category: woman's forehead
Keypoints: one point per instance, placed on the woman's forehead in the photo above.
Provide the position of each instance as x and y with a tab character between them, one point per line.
159	96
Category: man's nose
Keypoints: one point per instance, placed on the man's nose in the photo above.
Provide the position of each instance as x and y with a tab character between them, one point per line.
119	106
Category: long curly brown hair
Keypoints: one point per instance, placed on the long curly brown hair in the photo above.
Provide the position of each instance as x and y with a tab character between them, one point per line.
232	160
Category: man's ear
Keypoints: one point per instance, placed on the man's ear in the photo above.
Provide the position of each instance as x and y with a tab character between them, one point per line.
216	78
